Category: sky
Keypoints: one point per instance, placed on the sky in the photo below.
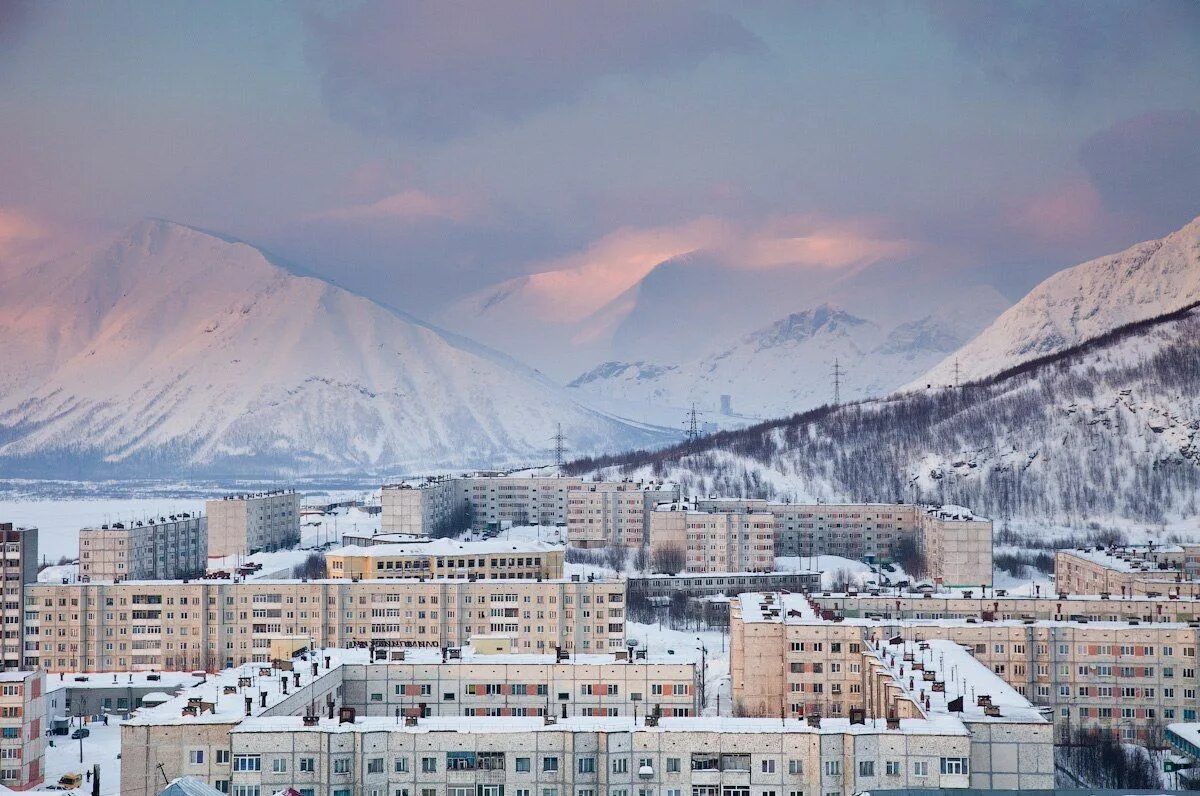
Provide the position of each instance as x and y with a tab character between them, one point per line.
419	151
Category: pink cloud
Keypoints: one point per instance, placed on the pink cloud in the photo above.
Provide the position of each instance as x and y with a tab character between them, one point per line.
409	205
18	229
1068	212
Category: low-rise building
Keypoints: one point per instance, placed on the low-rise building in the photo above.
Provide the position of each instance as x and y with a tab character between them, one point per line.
22	729
155	548
493	559
102	626
247	523
604	513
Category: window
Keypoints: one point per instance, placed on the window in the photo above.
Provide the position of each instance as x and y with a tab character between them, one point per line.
247	763
341	765
892	768
279	765
768	766
920	768
522	764
307	764
428	765
954	765
587	765
223	756
866	768
672	765
196	757
620	765
795	767
833	768
401	766
375	765
245	790
549	764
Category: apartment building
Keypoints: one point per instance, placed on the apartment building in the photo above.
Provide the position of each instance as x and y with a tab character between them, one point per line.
956	544
155	548
1135	570
1125	677
246	523
214	624
18	566
482	502
608	513
987	606
446	558
726	541
712	584
22	729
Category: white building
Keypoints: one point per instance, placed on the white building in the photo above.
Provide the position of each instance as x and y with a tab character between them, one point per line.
154	548
247	523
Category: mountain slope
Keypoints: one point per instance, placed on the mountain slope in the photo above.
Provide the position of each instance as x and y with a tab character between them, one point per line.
173	347
786	366
1074	305
1107	433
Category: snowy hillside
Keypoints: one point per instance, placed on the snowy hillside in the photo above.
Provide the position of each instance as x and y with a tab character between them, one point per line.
1077	304
1107	433
786	367
175	348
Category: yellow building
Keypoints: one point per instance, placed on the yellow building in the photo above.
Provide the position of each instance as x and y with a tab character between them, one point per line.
446	558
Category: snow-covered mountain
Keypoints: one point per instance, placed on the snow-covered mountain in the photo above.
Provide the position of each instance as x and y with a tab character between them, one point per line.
1102	436
1079	303
787	366
174	348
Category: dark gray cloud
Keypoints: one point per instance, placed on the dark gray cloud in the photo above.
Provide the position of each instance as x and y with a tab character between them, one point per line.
14	16
439	68
1065	45
1148	167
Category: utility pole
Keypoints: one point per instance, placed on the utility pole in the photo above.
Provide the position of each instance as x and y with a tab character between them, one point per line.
837	381
560	447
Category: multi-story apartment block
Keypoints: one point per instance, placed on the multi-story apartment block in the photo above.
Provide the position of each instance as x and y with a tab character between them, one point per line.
157	548
956	544
247	523
214	624
329	723
614	512
22	729
1128	677
1138	570
445	558
726	541
18	566
482	502
713	584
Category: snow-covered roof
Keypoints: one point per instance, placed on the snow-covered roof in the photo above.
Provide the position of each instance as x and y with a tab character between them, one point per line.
447	547
98	680
519	725
15	676
1130	559
962	676
189	786
954	513
657	653
613	581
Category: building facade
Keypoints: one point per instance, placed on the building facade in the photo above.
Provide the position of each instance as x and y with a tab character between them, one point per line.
481	502
214	624
18	567
247	523
22	728
445	558
157	548
725	541
607	513
1146	570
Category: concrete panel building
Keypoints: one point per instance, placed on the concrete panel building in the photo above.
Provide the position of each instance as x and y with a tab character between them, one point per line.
247	523
725	541
156	548
1133	570
607	513
214	624
22	729
482	502
18	566
445	558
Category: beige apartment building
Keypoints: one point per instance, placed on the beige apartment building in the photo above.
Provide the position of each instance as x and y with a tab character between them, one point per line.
1138	570
607	513
155	548
446	558
714	541
956	544
246	523
213	624
482	502
18	566
1129	678
22	729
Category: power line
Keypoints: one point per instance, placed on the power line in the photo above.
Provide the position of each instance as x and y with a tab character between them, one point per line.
838	373
560	447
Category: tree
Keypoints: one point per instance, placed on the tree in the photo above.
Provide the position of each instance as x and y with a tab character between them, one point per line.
669	559
615	557
641	559
312	567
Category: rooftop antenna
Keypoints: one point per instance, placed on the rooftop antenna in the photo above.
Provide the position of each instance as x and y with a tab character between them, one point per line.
560	447
838	372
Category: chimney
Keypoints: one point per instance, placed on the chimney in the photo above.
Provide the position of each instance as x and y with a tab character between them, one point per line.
262	699
249	704
283	682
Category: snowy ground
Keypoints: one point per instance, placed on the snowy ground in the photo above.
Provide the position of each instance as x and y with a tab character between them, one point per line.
687	642
102	746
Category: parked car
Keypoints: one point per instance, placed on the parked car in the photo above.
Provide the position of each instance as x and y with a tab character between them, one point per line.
81	732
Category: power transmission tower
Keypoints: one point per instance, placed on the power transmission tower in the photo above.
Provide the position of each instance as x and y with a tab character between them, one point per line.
692	428
837	381
957	381
560	447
